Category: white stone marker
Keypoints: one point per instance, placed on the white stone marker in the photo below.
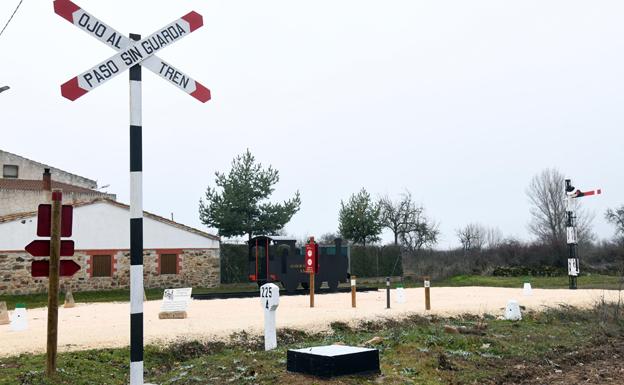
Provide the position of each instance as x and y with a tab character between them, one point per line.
512	311
400	298
19	319
526	289
269	299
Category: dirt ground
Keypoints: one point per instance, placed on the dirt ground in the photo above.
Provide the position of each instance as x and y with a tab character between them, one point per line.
597	365
101	325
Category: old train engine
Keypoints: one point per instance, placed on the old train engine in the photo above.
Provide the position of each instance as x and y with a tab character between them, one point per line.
277	259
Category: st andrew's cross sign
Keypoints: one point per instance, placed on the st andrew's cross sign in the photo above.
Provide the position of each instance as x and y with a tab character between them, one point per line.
133	53
130	52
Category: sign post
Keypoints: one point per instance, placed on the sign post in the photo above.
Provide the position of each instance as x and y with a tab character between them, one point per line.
353	289
311	264
269	299
387	292
53	289
132	54
54	221
427	294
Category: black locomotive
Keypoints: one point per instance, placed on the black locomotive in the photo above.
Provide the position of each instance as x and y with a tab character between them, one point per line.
276	259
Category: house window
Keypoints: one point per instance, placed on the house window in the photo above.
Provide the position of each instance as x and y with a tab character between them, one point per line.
168	264
9	171
102	266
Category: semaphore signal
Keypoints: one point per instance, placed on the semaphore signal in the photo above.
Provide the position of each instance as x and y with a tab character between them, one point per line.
571	232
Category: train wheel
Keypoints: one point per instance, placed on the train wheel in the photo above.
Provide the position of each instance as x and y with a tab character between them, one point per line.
333	286
305	285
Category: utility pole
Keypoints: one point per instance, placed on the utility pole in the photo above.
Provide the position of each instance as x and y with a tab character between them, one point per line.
53	290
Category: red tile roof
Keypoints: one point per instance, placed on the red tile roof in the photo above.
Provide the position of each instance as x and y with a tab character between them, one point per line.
37	185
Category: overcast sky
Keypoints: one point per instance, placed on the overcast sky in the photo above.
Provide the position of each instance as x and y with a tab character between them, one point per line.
460	102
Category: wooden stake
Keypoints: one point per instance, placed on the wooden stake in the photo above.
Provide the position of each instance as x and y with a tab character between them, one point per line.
53	290
353	291
311	289
427	294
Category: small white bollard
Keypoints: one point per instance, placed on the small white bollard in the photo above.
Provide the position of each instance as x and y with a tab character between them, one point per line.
526	290
269	298
19	319
512	311
400	295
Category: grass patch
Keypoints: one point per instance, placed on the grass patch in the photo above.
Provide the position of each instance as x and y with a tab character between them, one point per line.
592	281
414	350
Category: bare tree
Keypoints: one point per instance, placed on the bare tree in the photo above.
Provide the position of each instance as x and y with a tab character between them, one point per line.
493	237
472	236
420	231
616	217
328	238
398	216
548	211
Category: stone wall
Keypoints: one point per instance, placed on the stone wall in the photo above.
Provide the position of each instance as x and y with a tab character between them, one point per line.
21	201
197	268
29	169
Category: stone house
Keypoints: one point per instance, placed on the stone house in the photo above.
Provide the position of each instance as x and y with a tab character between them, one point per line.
25	184
175	255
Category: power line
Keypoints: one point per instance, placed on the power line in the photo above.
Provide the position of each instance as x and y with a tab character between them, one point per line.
11	18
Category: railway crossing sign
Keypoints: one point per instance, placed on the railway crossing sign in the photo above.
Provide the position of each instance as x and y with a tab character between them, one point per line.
130	52
133	53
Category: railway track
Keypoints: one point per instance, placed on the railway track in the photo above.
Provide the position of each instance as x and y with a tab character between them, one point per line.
251	294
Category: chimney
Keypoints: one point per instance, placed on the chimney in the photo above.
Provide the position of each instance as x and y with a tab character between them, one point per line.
47	180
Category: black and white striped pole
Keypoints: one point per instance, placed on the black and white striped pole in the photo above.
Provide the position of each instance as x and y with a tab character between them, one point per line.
571	232
132	53
136	225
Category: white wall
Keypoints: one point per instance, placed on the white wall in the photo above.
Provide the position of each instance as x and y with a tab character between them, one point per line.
102	226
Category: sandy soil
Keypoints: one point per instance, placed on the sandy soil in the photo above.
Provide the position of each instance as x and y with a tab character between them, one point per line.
107	324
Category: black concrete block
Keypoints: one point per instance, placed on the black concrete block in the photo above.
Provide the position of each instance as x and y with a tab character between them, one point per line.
333	360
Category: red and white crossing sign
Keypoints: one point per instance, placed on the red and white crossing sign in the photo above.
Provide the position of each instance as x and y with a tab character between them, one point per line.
133	54
130	52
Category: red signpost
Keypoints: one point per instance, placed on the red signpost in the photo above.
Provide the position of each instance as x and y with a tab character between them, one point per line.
41	248
311	264
54	221
67	268
44	221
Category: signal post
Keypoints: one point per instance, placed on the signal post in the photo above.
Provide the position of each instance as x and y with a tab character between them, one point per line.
571	233
311	264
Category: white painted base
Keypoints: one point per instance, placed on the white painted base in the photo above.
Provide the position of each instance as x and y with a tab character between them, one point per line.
270	336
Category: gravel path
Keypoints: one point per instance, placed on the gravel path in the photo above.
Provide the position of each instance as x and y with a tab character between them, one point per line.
100	325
